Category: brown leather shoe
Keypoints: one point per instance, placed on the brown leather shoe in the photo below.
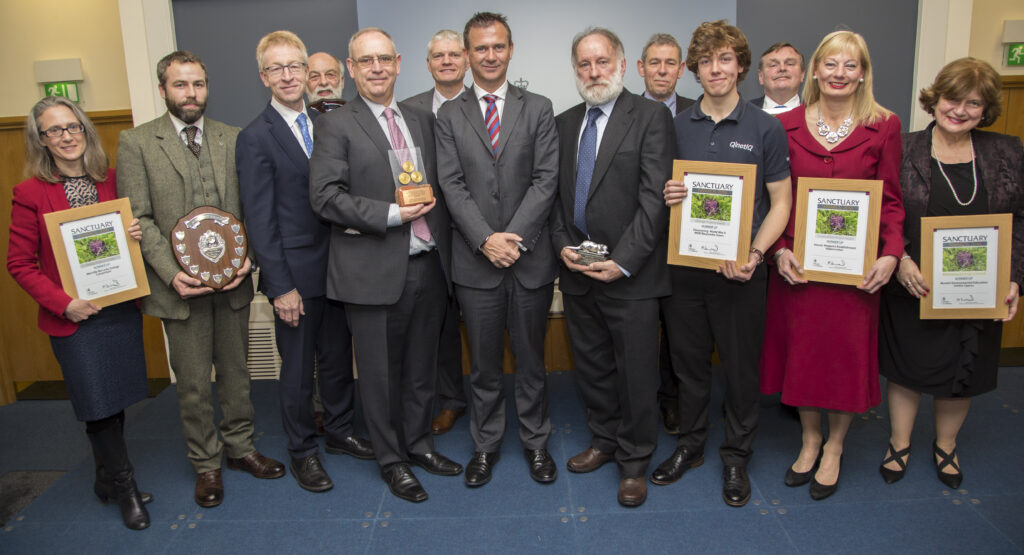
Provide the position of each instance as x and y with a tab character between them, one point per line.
632	492
444	420
209	489
259	466
588	461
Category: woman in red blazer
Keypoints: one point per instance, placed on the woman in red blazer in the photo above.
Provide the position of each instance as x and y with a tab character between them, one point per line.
100	352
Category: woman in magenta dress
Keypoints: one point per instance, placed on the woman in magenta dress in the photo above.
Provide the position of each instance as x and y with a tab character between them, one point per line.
821	340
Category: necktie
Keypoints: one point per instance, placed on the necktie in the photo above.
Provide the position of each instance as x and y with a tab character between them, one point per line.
304	130
585	159
419	226
780	106
190	135
491	120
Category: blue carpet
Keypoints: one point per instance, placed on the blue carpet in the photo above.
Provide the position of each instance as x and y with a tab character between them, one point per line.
575	514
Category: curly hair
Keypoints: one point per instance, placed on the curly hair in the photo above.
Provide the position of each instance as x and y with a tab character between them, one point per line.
712	36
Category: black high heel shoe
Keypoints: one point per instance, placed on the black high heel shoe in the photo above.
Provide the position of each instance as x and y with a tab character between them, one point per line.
796	479
892	476
947	459
820	491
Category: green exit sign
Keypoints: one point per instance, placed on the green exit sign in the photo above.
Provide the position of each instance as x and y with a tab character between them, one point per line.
1015	54
68	90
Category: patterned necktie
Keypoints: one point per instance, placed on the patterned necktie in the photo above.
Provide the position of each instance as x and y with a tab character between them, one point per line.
304	130
190	135
585	159
419	226
492	122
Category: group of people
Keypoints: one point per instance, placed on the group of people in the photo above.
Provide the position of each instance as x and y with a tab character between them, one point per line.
516	190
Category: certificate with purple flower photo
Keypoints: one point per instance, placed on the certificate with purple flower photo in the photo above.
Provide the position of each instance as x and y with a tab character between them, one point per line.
96	259
713	222
836	235
965	260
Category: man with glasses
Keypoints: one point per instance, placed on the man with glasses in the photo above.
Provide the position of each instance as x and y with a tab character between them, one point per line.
497	153
325	81
291	247
168	167
447	63
388	263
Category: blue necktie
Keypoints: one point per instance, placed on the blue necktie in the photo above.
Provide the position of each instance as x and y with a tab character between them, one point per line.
585	159
304	130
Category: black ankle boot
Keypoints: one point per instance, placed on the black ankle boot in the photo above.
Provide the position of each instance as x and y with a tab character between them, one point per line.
133	510
115	479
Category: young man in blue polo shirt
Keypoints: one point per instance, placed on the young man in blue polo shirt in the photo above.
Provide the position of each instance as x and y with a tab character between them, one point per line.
723	307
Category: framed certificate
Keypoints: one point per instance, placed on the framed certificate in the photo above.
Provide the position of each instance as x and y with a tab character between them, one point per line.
713	222
96	258
966	261
836	235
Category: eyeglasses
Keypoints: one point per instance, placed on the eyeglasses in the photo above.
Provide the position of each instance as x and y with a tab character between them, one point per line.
56	132
295	68
367	61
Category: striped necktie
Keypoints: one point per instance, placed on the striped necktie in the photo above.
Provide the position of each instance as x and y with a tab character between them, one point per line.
492	122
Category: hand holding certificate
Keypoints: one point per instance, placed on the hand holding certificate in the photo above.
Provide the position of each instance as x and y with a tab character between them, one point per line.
836	236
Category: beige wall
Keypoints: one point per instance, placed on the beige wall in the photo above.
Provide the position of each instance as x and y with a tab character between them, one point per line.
33	30
987	31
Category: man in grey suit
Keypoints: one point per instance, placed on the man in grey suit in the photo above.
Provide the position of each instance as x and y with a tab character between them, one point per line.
388	263
497	154
168	167
446	60
616	154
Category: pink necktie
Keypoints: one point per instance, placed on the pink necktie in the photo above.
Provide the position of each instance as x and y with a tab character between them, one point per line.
492	122
419	226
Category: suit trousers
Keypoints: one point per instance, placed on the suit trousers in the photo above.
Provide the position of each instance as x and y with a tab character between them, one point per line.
705	310
524	313
668	391
615	353
451	393
396	353
217	336
321	339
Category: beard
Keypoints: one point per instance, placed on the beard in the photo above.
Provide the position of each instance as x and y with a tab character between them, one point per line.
315	95
598	92
190	116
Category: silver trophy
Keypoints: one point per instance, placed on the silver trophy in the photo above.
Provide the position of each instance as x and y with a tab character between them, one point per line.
591	252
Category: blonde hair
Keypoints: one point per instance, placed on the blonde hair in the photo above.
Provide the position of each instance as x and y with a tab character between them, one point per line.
276	38
865	109
38	160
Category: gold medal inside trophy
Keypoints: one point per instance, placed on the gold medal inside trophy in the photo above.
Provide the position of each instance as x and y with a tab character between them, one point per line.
407	167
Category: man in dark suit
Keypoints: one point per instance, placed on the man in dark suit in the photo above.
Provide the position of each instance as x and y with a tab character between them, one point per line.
616	155
446	60
661	65
291	247
168	167
781	72
497	151
388	263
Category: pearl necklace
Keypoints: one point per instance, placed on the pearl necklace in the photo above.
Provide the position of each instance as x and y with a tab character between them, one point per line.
974	175
832	137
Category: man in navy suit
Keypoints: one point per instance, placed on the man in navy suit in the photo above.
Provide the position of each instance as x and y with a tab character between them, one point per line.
291	248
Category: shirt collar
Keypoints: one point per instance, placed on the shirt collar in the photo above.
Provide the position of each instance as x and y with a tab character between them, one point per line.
287	113
180	125
735	115
605	108
670	101
378	109
500	93
791	103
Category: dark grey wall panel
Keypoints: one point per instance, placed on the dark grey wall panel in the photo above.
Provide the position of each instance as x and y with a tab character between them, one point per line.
888	26
224	34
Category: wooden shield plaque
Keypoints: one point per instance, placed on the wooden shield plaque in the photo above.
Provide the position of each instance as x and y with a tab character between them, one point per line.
210	245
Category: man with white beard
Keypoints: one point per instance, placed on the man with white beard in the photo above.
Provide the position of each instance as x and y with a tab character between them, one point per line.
324	82
616	155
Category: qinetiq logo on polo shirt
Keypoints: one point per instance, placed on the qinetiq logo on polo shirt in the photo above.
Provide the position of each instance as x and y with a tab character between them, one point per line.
741	146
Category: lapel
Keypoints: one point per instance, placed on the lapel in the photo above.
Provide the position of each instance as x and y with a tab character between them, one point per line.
55	196
364	117
415	125
284	137
614	132
509	116
919	154
214	141
175	149
470	107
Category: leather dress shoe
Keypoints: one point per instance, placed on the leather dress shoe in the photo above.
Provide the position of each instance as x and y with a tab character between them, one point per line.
542	466
436	463
588	461
209	489
478	471
820	491
632	492
796	479
670	417
105	491
444	420
673	468
352	445
259	466
310	474
403	483
735	486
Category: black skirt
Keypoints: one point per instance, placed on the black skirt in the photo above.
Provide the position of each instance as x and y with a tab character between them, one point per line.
104	362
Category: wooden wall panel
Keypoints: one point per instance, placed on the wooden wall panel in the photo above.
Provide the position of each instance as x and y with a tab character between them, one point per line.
1011	122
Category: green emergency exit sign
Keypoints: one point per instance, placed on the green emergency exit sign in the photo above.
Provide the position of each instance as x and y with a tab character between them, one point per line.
68	90
1015	54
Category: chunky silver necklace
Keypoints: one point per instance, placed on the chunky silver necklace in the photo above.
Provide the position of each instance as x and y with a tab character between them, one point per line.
974	175
832	137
